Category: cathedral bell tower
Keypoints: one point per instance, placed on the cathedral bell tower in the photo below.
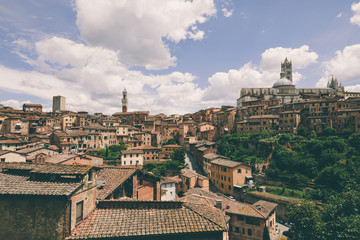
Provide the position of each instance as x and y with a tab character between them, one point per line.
124	101
286	70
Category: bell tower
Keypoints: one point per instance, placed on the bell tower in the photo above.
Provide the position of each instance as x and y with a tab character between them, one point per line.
286	70
124	101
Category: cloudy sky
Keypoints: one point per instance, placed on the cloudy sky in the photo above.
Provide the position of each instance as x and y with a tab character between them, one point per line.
172	56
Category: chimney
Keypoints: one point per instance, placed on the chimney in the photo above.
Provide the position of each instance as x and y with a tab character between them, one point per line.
218	204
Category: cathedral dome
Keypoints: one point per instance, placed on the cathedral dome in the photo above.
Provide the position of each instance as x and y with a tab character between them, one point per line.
282	82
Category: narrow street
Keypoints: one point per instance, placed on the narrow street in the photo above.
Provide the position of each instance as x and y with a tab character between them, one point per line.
191	163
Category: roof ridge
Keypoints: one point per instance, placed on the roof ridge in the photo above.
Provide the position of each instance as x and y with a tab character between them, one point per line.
257	210
188	205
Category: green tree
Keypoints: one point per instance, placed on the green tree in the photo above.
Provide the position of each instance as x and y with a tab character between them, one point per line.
342	215
266	235
306	223
107	153
334	177
329	132
328	157
117	147
179	155
284	139
354	140
171	142
301	131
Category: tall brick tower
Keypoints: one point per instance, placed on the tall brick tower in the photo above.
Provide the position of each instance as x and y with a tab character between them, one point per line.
124	101
286	69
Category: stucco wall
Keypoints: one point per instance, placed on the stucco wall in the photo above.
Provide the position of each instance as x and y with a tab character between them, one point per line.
13	157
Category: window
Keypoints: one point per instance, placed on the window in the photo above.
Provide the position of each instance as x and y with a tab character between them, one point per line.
79	211
222	185
249	232
229	187
2	159
253	221
130	162
237	229
124	162
247	170
124	155
240	217
239	170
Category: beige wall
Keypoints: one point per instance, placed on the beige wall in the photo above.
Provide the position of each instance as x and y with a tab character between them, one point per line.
12	157
125	161
221	178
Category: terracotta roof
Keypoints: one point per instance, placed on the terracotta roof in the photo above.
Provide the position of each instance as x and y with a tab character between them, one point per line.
211	156
265	207
172	145
48	168
111	178
131	150
72	133
32	104
30	149
22	185
2	152
58	158
244	209
146	147
189	173
95	126
136	222
263	116
201	149
227	163
7	141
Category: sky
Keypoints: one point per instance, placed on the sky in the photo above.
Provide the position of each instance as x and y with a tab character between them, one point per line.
173	56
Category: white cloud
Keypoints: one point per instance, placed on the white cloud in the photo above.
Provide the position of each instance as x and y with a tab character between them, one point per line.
13	103
339	15
345	65
136	29
92	79
354	88
227	12
355	7
302	57
226	86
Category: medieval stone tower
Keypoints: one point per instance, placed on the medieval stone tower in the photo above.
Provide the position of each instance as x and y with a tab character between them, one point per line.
286	70
124	101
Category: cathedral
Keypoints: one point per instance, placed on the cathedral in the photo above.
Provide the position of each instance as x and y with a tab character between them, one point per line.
284	89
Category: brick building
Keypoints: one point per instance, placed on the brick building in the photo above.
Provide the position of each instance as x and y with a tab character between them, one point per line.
29	107
42	201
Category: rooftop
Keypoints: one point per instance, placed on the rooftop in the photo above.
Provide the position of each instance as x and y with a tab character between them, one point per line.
131	150
48	168
139	221
146	147
111	178
23	185
227	163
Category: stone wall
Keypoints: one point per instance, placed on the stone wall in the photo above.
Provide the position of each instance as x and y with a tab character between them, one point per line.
253	197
